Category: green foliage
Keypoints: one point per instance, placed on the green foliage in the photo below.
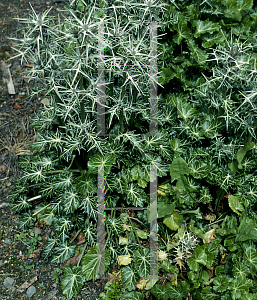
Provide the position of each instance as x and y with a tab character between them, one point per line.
204	152
113	291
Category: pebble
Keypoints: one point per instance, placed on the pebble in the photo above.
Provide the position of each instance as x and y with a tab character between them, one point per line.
37	230
7	241
31	291
8	282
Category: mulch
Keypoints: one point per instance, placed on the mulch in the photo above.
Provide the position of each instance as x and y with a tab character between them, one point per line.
16	135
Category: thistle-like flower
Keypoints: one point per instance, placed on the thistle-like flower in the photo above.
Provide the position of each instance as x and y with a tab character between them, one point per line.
185	248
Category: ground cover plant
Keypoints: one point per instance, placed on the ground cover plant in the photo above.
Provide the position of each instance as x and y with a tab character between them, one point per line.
205	153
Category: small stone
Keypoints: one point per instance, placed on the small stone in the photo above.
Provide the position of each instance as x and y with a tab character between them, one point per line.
31	291
8	282
4	204
37	230
7	241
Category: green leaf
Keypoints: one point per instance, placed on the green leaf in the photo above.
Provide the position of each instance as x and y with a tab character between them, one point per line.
72	281
63	252
235	204
134	295
205	27
166	75
92	260
21	204
250	257
220	283
161	291
178	168
46	215
246	230
141	260
136	195
183	32
105	161
70	201
242	152
165	209
49	247
142	234
240	269
185	110
199	55
174	221
129	278
26	220
86	183
239	286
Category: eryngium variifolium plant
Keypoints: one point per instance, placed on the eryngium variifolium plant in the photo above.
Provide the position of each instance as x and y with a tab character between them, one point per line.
63	173
206	140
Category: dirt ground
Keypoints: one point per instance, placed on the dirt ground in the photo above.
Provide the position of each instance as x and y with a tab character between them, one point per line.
19	268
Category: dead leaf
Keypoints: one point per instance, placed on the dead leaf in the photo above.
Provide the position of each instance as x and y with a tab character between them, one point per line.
17	106
29	66
210	217
141	284
73	260
3	168
209	236
124	260
8	183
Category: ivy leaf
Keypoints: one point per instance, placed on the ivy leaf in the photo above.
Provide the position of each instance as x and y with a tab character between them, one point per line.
91	261
235	204
46	215
166	75
63	252
129	278
202	256
49	247
72	281
90	233
205	27
141	260
216	38
174	221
